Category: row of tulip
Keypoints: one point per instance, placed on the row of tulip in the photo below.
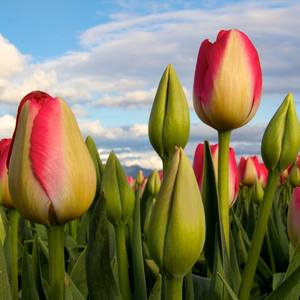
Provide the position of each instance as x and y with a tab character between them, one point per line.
89	231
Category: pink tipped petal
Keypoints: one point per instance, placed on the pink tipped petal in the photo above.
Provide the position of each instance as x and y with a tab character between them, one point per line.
45	151
198	164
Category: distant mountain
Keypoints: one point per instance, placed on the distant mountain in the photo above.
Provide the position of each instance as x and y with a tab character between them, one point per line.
133	170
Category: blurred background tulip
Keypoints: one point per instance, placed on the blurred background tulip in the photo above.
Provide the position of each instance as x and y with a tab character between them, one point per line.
52	177
227	75
249	170
294	218
5	198
263	174
233	178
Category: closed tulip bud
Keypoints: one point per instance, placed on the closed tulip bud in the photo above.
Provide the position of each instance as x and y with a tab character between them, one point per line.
281	140
52	178
293	219
233	170
169	123
140	177
153	184
176	232
117	192
249	170
5	198
131	181
295	175
263	175
227	75
258	192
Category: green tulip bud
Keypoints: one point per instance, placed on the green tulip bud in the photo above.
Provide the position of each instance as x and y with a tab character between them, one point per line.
140	177
117	192
96	160
281	140
258	192
153	184
169	123
176	232
295	176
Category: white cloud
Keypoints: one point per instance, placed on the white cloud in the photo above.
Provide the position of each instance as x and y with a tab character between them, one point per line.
7	126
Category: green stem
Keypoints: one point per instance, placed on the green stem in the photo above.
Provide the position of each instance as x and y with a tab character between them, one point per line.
14	218
122	259
140	290
73	229
56	236
258	236
172	288
223	167
189	286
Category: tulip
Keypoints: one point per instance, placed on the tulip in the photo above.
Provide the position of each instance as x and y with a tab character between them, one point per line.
119	201
258	192
233	178
52	177
5	198
295	175
249	170
293	219
279	147
263	175
281	139
228	81
176	232
169	122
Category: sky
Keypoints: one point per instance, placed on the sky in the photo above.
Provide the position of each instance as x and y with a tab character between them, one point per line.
105	58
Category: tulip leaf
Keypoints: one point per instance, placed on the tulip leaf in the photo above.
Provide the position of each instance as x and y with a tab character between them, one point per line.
78	273
29	290
231	293
210	202
5	293
72	289
201	287
2	231
287	286
155	293
100	279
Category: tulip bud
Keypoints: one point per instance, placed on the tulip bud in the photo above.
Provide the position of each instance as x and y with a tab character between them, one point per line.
233	170
131	181
249	170
176	232
295	176
153	184
52	178
293	219
227	75
5	198
169	123
140	177
258	192
117	192
281	140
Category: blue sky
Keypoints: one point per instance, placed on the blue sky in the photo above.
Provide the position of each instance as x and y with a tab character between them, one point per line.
105	58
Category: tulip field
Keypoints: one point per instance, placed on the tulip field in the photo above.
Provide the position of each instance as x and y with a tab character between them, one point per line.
74	227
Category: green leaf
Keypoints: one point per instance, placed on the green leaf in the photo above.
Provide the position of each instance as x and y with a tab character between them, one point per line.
72	289
210	202
231	293
100	278
78	274
201	287
29	290
155	293
2	231
5	293
284	290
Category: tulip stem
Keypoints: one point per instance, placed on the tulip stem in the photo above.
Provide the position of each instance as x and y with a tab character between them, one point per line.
140	290
258	236
122	259
223	167
14	218
172	287
56	236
